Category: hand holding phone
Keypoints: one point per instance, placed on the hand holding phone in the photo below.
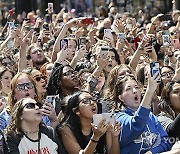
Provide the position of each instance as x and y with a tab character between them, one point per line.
64	44
81	42
108	35
155	67
50	7
108	117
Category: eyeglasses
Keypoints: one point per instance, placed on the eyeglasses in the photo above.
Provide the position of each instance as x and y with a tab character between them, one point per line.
88	100
70	72
21	87
166	74
39	77
32	105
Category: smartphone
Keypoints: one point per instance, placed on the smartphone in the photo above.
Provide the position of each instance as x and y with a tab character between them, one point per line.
104	50
166	38
165	17
176	43
81	42
46	27
50	99
63	44
87	21
109	117
12	25
121	37
107	33
155	67
50	7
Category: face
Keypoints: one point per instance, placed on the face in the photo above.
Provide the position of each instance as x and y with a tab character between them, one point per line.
24	88
31	111
29	61
175	97
131	94
124	71
40	81
166	75
87	107
69	78
37	55
49	68
71	49
6	80
111	62
7	62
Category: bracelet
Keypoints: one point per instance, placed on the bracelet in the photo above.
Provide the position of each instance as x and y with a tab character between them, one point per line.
94	140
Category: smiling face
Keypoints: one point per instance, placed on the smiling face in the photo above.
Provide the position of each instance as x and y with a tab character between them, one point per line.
24	88
31	111
167	75
87	107
175	97
131	94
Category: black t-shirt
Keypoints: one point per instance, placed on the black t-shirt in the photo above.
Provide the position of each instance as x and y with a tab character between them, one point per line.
48	142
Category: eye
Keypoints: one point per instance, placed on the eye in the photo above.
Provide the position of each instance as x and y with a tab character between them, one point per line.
175	92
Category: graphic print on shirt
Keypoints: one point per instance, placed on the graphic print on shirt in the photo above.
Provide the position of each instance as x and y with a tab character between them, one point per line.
47	146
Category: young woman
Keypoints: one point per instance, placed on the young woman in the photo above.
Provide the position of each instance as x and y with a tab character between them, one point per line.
141	131
26	133
6	76
77	128
170	109
22	86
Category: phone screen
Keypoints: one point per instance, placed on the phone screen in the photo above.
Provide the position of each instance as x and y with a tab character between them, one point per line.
64	44
166	38
81	42
155	67
121	37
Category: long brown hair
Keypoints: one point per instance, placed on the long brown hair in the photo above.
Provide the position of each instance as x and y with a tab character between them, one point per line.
11	99
15	124
112	79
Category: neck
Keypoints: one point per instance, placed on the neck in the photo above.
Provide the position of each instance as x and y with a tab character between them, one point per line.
30	127
86	125
5	91
66	92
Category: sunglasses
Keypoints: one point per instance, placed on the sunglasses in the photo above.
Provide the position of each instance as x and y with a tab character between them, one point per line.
88	100
32	105
39	77
21	87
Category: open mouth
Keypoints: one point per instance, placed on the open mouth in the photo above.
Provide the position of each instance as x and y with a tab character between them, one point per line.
94	109
27	94
110	65
136	98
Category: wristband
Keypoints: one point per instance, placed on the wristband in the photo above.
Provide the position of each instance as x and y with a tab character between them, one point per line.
94	141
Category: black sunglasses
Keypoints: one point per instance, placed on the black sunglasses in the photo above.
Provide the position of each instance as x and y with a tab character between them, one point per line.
32	105
39	77
21	87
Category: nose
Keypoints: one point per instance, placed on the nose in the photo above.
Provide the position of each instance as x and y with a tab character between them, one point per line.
134	90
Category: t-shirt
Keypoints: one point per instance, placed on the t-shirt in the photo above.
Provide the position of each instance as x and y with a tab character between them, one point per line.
48	143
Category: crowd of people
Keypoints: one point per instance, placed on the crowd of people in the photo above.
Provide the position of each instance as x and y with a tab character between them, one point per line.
62	78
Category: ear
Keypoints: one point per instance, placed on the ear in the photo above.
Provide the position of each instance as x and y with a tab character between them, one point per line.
77	113
120	98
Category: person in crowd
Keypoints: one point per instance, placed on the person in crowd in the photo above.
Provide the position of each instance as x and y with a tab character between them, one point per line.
77	128
46	69
22	86
141	130
27	134
37	55
170	109
6	76
3	148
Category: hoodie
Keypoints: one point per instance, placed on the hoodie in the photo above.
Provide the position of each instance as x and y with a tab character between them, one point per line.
141	132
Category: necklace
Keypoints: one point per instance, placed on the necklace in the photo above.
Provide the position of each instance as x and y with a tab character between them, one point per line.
31	132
